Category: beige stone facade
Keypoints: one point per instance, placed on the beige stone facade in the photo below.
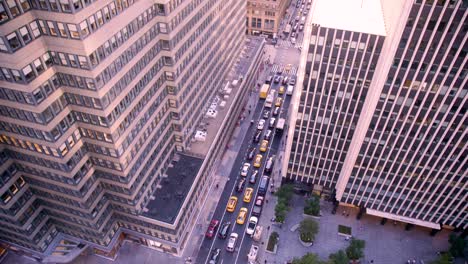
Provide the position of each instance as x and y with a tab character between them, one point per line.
264	16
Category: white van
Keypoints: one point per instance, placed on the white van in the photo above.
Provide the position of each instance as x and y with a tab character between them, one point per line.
290	90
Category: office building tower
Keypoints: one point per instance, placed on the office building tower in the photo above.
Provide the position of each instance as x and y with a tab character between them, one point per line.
264	16
97	100
381	112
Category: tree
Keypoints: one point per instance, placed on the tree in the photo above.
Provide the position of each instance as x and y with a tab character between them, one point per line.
285	192
443	259
339	258
312	207
280	211
308	258
308	228
355	250
458	246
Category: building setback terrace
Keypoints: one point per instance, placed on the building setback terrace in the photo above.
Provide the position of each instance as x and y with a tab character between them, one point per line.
167	200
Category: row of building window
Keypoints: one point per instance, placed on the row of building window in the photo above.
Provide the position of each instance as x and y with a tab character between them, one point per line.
12	190
24	35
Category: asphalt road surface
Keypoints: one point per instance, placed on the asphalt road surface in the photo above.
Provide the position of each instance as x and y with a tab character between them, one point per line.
244	241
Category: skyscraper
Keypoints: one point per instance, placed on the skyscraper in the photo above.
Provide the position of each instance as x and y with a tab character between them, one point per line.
380	120
96	97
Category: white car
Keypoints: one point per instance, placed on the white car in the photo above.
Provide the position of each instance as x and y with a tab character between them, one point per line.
245	170
251	226
232	242
261	124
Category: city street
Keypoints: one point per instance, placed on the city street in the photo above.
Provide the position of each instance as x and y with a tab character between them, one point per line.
244	241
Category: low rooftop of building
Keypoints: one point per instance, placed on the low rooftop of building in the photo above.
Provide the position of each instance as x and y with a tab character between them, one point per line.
365	16
211	125
167	200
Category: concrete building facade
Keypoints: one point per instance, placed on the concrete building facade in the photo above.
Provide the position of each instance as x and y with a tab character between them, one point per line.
96	99
264	16
392	142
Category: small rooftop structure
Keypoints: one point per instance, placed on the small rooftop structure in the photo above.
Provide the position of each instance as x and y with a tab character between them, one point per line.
167	201
364	16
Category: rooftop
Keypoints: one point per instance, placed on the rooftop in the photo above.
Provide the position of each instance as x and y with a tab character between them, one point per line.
167	200
364	16
211	125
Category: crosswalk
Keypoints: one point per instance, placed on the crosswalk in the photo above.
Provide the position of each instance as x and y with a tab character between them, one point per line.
283	68
286	43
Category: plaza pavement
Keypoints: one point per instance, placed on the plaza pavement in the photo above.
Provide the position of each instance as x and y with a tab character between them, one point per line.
387	244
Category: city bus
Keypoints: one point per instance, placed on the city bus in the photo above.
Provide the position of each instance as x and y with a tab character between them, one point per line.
264	91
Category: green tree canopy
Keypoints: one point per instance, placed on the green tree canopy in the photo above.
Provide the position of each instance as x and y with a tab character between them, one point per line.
312	206
285	192
280	211
443	259
338	258
308	228
458	246
355	250
308	258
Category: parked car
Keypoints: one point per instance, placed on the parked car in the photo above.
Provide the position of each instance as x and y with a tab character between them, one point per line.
251	226
277	79
232	242
261	124
212	228
245	169
242	215
268	134
248	195
264	146
258	205
257	136
224	229
215	256
276	111
269	164
258	161
253	177
240	185
231	205
272	122
251	154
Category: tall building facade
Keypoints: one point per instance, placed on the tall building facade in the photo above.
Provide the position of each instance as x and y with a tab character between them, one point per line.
393	144
96	97
264	16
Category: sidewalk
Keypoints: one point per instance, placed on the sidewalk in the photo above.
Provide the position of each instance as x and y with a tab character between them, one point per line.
221	177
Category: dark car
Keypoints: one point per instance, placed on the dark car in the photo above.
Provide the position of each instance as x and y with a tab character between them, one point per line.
277	79
285	80
268	135
251	154
266	114
276	111
257	136
258	205
224	230
212	228
240	185
269	79
253	177
215	256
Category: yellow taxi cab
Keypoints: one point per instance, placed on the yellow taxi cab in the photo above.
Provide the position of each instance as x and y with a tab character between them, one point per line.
281	90
231	205
242	215
258	161
278	102
264	145
248	195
